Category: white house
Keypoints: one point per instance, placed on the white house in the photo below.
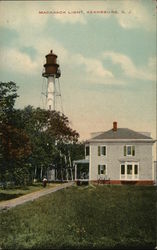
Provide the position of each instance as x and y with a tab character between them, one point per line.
119	155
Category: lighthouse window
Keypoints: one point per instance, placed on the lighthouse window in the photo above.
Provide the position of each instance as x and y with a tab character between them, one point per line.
49	107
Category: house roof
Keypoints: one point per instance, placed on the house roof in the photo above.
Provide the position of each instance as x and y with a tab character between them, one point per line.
121	133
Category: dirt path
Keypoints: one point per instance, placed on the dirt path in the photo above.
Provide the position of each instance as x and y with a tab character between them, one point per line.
32	196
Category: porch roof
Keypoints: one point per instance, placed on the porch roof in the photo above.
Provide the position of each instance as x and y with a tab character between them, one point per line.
82	161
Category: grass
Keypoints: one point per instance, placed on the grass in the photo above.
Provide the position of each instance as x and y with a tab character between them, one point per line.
11	193
83	217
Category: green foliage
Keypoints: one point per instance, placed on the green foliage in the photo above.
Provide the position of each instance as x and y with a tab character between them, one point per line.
14	142
32	139
8	95
22	175
50	136
86	217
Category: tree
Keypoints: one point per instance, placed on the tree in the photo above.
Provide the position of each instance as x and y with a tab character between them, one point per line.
49	133
8	95
15	145
32	139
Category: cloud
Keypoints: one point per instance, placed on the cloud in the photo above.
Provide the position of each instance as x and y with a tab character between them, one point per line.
90	68
30	25
72	18
131	14
14	60
93	67
18	61
22	15
146	72
136	15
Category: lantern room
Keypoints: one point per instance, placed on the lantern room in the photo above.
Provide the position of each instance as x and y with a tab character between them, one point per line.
51	66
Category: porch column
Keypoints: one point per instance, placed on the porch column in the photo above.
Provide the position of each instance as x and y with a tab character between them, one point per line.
71	174
75	171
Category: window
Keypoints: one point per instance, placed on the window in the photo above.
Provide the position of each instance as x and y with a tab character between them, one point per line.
122	169
101	169
87	150
101	150
98	150
129	150
129	169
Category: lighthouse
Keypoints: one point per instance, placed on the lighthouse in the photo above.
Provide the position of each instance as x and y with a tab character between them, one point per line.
52	73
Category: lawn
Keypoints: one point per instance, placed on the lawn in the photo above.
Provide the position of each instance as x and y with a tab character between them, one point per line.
83	217
11	193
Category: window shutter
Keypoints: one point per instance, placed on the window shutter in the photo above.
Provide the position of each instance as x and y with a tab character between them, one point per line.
124	150
133	150
104	150
87	150
136	169
98	150
122	169
98	169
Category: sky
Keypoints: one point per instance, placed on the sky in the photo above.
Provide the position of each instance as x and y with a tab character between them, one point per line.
107	55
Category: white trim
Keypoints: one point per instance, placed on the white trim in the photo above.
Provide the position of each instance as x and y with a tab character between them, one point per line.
132	176
128	159
121	140
75	171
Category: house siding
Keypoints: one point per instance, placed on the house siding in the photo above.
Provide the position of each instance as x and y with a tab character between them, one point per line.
115	156
144	152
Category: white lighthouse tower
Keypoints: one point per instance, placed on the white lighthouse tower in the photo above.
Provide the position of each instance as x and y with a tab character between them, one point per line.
51	72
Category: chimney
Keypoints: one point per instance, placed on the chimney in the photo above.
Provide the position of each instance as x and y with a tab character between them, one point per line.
114	126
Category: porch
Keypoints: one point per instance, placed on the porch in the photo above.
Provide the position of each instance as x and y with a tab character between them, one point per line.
81	171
